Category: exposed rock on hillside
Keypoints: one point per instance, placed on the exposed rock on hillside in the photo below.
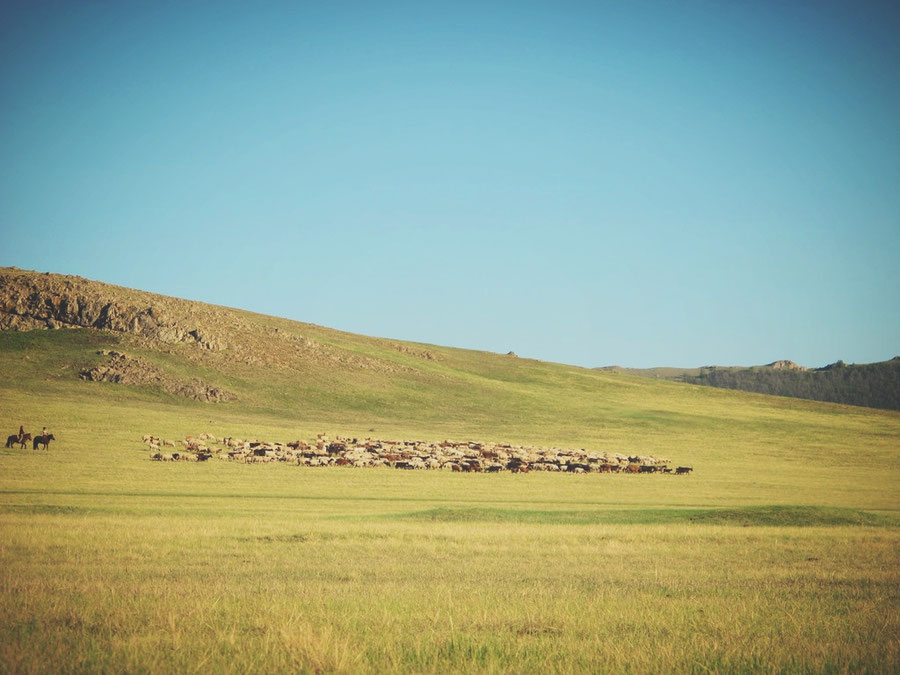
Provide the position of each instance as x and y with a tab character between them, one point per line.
421	353
124	369
785	365
197	331
31	301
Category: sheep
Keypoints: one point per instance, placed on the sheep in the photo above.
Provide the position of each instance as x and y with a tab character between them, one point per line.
450	455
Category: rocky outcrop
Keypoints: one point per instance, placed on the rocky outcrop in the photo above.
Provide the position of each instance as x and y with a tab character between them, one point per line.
34	300
785	365
30	301
420	353
124	369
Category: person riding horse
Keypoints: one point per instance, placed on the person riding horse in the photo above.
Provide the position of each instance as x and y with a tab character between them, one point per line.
20	439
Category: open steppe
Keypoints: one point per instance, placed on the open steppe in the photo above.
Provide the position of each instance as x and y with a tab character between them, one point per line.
780	553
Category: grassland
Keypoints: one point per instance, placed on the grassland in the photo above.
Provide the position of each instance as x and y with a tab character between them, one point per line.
781	553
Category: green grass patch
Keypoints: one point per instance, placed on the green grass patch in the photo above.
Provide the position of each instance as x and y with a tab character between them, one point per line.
761	516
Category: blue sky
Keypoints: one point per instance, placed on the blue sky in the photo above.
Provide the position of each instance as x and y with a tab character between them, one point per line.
640	183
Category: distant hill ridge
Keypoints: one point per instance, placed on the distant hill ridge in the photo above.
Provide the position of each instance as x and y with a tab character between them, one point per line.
201	348
873	385
35	300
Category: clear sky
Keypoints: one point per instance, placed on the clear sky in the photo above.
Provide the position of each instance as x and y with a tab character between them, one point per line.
639	183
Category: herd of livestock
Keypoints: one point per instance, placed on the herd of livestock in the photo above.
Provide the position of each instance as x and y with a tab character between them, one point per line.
369	452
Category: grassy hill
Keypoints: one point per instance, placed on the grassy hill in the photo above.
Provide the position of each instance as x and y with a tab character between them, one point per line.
780	551
873	385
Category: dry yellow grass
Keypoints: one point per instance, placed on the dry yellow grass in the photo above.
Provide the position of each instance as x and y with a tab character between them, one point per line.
779	554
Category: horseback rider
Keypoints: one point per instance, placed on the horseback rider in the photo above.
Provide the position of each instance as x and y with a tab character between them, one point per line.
21	432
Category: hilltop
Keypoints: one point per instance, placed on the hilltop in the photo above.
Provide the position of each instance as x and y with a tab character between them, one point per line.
873	385
156	335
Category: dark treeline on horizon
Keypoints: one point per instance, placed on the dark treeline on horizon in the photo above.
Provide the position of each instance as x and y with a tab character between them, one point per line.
873	385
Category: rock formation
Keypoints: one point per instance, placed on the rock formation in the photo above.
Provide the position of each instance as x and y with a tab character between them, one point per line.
31	301
784	364
124	369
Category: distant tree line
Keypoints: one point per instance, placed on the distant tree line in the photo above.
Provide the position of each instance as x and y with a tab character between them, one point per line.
874	385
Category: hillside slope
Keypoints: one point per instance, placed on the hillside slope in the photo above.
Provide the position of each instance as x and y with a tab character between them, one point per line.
283	379
873	385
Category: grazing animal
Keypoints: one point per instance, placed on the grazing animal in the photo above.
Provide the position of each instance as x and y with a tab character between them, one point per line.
43	440
632	468
517	466
15	439
683	469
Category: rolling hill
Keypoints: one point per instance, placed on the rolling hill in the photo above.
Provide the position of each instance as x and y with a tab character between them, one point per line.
116	349
873	385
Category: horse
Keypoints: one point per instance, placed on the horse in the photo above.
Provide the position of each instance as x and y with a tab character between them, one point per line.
43	440
15	439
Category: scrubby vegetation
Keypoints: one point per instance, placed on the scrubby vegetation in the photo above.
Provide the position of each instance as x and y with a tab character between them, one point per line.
874	385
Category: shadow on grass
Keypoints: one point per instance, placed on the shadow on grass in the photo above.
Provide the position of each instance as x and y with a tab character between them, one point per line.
765	516
769	516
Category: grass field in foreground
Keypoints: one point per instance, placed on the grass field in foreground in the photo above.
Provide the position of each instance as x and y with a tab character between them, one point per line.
780	553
